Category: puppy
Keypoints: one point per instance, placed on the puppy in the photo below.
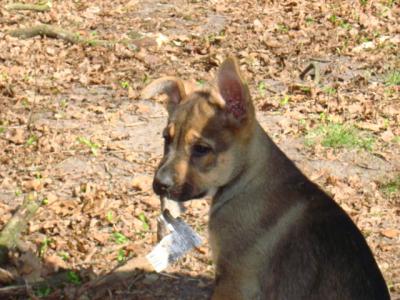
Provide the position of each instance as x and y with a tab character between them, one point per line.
273	233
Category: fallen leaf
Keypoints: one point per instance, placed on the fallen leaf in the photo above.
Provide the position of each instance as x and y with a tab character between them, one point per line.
16	135
369	126
387	136
390	233
142	182
55	263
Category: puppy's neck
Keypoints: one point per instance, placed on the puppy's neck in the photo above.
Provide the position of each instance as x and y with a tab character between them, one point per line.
255	160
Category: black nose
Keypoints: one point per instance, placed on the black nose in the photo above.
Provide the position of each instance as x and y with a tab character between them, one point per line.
160	187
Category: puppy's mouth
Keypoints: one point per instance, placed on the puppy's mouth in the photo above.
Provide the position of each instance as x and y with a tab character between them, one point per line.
184	197
182	193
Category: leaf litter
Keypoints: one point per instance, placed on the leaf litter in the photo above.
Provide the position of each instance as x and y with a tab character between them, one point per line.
73	130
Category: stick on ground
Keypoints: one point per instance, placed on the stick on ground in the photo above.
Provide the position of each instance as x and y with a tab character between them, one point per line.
28	6
56	33
55	281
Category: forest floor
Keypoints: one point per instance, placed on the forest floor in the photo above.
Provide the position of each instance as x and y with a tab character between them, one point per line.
74	130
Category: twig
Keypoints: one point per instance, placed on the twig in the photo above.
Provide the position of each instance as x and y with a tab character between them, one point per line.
70	37
29	6
135	124
311	66
13	290
57	33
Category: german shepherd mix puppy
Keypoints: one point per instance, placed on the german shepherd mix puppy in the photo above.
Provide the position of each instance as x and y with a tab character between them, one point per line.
273	233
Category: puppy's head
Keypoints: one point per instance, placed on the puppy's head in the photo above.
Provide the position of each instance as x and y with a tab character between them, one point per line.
206	134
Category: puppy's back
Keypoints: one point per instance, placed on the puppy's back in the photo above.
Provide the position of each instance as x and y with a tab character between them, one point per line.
324	257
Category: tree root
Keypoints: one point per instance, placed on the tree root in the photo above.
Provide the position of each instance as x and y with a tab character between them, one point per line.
96	288
57	33
29	6
6	276
9	236
57	280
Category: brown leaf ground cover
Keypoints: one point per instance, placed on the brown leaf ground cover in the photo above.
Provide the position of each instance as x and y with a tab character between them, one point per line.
73	129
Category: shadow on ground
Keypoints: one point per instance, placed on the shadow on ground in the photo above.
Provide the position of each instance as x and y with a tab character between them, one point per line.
118	285
147	285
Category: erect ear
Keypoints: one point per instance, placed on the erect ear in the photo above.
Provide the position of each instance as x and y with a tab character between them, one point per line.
234	91
171	86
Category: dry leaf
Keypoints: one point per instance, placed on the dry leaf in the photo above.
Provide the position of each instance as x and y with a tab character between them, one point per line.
369	126
142	182
390	233
16	135
55	262
387	136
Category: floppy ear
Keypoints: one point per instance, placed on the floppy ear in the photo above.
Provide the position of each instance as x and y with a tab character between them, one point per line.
234	91
171	86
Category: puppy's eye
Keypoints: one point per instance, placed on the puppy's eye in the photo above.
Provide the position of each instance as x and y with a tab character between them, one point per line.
199	150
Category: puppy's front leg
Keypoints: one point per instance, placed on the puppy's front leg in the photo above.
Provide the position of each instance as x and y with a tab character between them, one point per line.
236	285
226	288
226	292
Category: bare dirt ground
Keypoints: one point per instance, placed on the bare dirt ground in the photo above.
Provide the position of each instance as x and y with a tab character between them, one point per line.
74	130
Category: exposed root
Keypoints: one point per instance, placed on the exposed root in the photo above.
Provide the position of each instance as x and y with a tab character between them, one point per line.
29	6
57	33
54	281
6	276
